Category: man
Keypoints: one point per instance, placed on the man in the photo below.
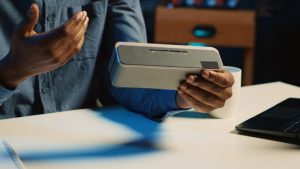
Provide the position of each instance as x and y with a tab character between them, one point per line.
56	60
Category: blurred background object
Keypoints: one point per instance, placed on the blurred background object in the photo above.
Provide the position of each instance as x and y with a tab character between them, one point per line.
204	3
213	24
277	30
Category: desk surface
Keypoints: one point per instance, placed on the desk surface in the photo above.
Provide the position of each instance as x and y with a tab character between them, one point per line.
115	138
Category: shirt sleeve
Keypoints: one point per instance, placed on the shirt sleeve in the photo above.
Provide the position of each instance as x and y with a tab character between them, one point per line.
125	22
5	93
152	103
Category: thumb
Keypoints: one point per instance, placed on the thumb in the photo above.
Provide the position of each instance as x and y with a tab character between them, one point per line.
29	21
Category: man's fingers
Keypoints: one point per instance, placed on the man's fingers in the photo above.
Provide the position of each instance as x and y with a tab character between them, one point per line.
202	96
78	27
69	51
28	23
76	49
76	20
78	41
82	30
64	49
67	44
221	78
68	30
208	91
79	45
199	106
223	93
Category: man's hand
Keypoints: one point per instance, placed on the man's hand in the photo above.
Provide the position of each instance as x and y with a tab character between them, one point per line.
206	92
32	53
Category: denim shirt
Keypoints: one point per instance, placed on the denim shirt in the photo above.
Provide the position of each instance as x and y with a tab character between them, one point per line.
84	79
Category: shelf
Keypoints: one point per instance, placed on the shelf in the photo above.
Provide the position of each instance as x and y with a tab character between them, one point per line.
233	28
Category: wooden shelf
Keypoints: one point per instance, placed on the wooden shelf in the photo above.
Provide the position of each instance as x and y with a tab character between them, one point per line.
233	28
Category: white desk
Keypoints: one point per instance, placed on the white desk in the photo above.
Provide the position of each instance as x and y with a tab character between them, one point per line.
116	138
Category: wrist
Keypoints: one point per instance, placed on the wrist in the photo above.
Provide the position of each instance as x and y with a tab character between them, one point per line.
9	78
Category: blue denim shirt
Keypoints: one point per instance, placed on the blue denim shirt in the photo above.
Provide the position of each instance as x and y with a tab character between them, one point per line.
84	79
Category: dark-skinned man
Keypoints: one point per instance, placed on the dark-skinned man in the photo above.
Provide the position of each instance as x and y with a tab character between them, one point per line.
56	57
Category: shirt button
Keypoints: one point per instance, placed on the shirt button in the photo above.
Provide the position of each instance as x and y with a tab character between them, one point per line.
51	17
44	90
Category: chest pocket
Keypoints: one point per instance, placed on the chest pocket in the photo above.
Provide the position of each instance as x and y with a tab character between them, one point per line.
95	11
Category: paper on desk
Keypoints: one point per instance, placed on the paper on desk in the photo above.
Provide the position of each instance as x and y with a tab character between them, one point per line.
8	158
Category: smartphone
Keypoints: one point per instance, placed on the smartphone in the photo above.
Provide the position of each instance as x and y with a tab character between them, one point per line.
158	66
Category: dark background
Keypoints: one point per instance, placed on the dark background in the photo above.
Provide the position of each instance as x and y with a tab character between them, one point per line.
277	39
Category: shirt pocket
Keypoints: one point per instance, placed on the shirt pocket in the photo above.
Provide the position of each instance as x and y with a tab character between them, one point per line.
94	10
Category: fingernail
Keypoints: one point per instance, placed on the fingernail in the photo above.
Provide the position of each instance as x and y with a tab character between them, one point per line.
180	92
183	87
79	16
190	79
86	21
205	74
85	13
